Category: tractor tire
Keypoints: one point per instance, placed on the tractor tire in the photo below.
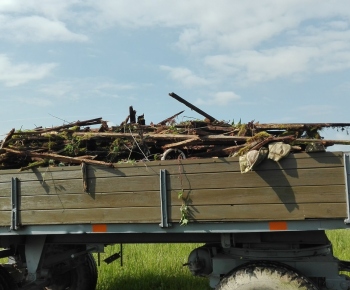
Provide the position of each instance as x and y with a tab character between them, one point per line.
83	277
265	276
6	281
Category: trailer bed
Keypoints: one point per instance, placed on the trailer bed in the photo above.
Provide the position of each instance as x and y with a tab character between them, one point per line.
301	187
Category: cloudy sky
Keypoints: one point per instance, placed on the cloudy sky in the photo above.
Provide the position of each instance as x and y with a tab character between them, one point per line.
264	60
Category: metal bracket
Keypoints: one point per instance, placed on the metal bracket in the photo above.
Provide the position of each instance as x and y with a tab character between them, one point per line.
347	184
14	204
33	250
226	241
85	173
163	200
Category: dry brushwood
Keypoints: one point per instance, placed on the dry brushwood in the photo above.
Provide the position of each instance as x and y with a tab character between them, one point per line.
79	142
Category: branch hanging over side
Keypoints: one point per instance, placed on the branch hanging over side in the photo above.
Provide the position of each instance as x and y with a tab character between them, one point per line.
7	138
66	159
194	108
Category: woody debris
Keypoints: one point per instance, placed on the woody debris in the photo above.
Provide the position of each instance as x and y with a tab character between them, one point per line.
94	142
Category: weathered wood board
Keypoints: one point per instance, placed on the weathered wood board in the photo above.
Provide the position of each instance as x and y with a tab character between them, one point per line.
301	186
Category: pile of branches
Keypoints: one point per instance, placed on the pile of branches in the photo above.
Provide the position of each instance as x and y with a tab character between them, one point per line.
94	142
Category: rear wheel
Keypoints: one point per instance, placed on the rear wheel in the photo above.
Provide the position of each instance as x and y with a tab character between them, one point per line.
6	281
82	277
265	276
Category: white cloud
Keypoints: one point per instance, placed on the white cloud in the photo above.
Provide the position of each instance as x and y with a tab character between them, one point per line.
249	41
259	66
224	23
219	99
315	111
83	88
12	74
41	20
185	76
39	102
57	90
36	28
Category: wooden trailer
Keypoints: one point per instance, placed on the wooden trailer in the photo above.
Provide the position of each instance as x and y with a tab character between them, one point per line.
283	205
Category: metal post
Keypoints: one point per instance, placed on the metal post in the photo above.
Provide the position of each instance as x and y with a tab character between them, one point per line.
347	184
14	204
163	200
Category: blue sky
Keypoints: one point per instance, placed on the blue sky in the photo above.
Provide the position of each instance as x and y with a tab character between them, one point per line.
268	61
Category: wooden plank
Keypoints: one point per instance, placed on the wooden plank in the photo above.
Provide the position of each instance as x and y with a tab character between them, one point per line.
207	165
211	165
85	201
5	204
278	178
99	185
264	195
98	215
5	218
5	189
283	195
37	173
267	212
288	178
217	213
305	161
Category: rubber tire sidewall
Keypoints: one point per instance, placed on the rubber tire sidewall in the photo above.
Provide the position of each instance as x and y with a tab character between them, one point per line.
6	281
83	277
265	276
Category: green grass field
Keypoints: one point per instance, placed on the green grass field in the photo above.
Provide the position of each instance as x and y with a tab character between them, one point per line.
150	266
341	243
159	266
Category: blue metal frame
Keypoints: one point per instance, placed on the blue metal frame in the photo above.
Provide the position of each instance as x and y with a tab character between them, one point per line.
224	227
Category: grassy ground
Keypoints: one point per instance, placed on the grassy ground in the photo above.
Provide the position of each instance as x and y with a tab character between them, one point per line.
159	266
150	266
341	243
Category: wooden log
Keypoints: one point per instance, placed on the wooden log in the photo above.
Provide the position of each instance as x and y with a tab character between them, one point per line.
299	126
323	141
125	121
132	115
95	121
194	108
96	135
182	143
227	128
222	152
169	119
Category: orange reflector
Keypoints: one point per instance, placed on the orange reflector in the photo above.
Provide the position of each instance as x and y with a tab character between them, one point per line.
278	226
99	228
